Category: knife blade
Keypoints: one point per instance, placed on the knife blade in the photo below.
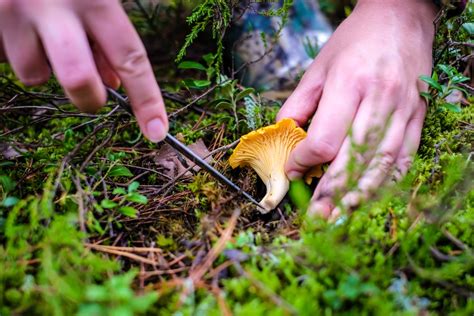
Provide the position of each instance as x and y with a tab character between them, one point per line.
186	152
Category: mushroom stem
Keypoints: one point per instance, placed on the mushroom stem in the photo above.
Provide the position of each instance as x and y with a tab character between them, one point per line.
277	185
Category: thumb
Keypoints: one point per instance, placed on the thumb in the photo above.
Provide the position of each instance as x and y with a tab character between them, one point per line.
307	153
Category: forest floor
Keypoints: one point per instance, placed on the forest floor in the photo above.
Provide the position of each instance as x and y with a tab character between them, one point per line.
96	220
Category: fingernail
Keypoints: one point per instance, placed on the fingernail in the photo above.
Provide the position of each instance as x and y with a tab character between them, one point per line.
155	130
293	175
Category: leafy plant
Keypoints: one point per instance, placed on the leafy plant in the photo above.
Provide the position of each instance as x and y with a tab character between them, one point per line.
441	91
115	297
229	94
311	47
407	252
215	14
122	197
209	70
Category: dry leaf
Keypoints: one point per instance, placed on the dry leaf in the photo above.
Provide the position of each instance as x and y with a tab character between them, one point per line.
9	152
173	164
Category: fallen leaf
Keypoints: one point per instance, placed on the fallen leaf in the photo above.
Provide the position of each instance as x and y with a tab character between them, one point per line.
455	96
9	152
173	163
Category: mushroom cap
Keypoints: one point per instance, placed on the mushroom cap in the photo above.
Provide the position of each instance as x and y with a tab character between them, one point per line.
266	150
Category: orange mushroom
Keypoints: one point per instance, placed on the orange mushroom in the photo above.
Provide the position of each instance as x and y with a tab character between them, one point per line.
266	150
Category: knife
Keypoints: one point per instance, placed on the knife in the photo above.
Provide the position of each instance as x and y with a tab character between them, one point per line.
186	152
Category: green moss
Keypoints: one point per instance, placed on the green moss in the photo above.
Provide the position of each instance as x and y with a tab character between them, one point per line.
405	253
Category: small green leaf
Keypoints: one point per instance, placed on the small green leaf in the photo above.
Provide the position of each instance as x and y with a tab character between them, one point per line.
451	107
432	82
128	211
426	95
137	198
7	183
9	201
242	94
120	171
196	84
133	186
98	208
108	203
469	27
142	303
449	70
120	191
208	58
191	65
224	104
459	78
213	103
97	293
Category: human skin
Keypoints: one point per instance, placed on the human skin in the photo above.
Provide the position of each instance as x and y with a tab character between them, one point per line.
364	79
363	89
88	43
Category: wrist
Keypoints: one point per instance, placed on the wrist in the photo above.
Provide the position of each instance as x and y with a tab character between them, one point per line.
414	14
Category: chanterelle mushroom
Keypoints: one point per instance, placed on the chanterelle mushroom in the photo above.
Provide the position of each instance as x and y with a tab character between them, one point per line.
266	150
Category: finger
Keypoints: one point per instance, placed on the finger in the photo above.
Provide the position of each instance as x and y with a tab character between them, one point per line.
120	43
2	53
337	108
25	53
69	52
367	131
108	75
304	100
379	168
410	142
329	186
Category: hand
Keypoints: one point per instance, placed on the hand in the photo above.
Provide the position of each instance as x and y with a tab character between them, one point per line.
88	43
363	89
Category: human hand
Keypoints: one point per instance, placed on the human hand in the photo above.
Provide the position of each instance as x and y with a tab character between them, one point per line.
363	89
88	43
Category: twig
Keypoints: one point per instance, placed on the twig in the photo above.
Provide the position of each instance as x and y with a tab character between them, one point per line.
454	240
467	44
220	298
184	108
148	274
129	249
200	270
97	148
122	253
439	255
397	244
71	154
467	87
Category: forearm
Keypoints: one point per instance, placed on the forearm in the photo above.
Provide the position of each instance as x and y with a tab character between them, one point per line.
414	11
414	18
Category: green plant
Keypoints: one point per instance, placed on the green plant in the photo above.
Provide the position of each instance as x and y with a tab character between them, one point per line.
441	91
406	252
209	70
122	197
215	14
229	94
311	47
115	297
